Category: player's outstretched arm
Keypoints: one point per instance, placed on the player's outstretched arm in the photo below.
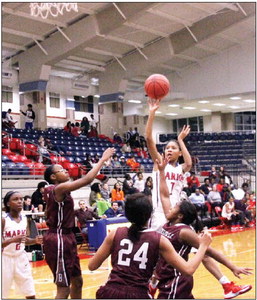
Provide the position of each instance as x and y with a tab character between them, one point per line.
102	253
186	155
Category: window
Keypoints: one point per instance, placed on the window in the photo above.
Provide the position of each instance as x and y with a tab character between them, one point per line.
136	120
101	109
7	94
84	104
245	121
125	121
115	107
145	119
54	100
196	124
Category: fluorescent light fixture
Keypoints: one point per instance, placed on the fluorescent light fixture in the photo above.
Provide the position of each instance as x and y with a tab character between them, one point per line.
189	107
173	105
234	107
158	112
134	101
235	98
82	96
205	110
203	101
219	104
249	100
171	114
97	96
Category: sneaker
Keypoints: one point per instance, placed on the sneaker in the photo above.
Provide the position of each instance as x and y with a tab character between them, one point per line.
152	290
232	290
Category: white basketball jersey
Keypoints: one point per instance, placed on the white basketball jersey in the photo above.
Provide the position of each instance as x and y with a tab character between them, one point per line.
175	182
12	229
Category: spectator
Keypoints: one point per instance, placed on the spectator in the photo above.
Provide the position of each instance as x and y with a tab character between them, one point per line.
107	167
214	199
128	187
148	186
95	159
126	148
84	126
223	174
199	202
123	165
193	182
67	127
133	164
229	212
8	121
93	127
118	194
115	164
30	117
85	214
214	174
205	188
142	153
220	184
38	197
246	216
238	193
128	136
88	163
251	206
225	193
95	195
105	192
92	132
27	206
44	156
113	211
75	131
116	138
139	183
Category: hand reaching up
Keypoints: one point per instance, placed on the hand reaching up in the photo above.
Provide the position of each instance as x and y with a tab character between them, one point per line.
161	163
184	132
153	104
108	153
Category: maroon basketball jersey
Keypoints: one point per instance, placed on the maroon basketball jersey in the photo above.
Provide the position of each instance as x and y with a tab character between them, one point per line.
171	232
133	263
60	215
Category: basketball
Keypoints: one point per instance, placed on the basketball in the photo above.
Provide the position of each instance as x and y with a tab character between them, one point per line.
157	86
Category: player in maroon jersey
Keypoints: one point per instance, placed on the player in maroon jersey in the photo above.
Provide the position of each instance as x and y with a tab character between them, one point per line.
59	243
134	254
172	284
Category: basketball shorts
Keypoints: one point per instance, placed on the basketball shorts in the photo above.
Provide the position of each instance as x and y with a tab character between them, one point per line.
157	221
17	269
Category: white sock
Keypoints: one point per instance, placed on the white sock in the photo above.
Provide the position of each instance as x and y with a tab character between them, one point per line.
224	280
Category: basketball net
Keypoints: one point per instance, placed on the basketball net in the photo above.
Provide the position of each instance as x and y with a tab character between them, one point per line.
54	9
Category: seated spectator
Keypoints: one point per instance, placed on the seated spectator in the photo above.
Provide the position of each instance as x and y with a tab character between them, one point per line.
75	131
84	126
67	127
116	138
142	153
205	188
214	199
27	206
105	192
225	193
199	202
44	156
123	165
7	120
214	174
88	163
241	206
115	164
224	174
118	195
85	214
93	132
229	212
126	148
239	193
113	211
107	167
139	183
148	186
251	206
128	187
220	184
193	182
95	195
133	164
38	197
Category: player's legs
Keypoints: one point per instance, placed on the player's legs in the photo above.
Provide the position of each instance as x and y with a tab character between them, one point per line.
7	277
62	292
76	287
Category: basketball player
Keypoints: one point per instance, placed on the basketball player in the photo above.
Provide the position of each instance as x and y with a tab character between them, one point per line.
174	175
134	253
59	243
15	263
172	284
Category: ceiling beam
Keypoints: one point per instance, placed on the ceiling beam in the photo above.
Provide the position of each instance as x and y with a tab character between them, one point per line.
201	7
28	16
102	52
186	57
169	17
168	67
121	40
229	38
22	33
13	46
80	64
228	5
146	29
65	70
207	48
89	61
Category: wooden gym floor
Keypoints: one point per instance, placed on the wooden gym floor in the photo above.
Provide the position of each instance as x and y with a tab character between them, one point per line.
239	247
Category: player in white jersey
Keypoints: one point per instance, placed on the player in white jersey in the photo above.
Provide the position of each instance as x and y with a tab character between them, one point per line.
14	258
174	175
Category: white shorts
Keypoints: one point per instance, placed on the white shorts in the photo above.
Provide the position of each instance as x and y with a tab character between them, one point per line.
17	269
157	221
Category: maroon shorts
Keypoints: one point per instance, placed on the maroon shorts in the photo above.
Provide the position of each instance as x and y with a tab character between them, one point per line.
179	287
119	291
62	257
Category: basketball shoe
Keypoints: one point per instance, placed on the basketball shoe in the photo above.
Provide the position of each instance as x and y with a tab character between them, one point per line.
231	290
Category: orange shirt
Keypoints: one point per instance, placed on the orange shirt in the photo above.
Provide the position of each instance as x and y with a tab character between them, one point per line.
117	195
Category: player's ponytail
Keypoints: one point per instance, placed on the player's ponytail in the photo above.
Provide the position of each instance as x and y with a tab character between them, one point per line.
190	217
138	210
48	173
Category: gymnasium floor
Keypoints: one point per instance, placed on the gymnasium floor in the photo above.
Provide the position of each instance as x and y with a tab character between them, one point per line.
238	246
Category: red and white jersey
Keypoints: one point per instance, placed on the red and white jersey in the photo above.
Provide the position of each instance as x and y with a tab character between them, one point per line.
12	229
175	180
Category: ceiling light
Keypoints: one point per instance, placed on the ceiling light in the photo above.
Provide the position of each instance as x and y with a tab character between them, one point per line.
134	101
158	112
249	100
235	98
189	107
171	114
219	104
234	107
173	105
205	110
97	96
204	101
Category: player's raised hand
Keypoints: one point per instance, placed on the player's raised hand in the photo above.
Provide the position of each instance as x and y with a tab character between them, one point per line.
108	153
153	104
161	163
205	238
241	270
184	132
